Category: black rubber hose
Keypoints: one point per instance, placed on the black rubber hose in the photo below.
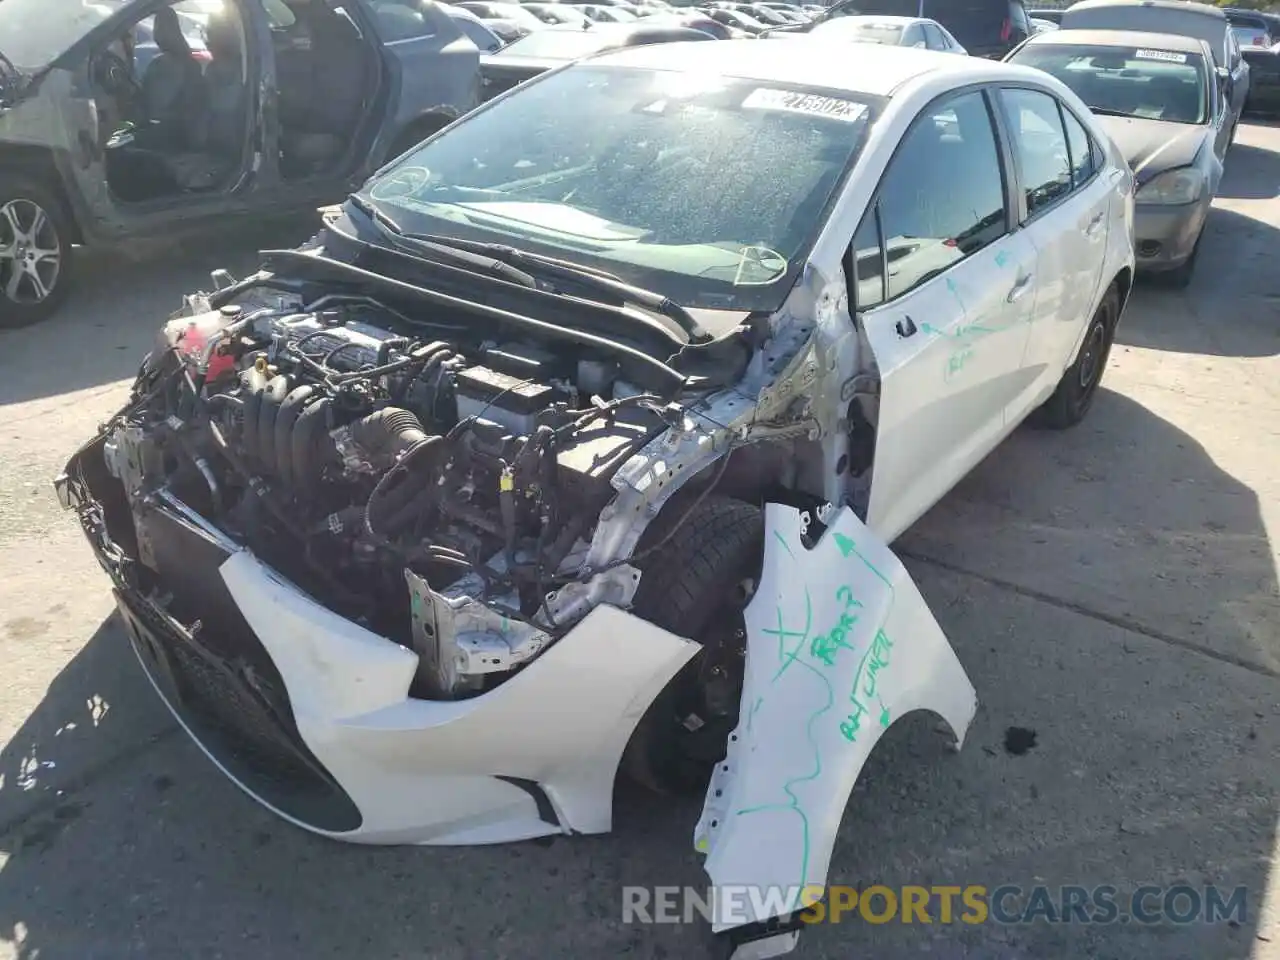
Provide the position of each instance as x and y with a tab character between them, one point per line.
249	431
387	433
307	449
429	446
290	410
273	395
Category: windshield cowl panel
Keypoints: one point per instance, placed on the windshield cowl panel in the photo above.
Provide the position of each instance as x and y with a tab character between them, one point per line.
710	190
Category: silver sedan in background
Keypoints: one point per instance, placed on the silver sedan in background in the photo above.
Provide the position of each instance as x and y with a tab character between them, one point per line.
1157	98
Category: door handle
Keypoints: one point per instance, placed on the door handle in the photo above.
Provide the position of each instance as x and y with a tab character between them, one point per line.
1020	288
1094	225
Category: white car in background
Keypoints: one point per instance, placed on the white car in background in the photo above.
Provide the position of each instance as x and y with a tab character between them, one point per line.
919	32
549	456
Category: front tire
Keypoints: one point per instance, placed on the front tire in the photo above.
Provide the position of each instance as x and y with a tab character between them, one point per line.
696	585
1179	278
1079	384
35	252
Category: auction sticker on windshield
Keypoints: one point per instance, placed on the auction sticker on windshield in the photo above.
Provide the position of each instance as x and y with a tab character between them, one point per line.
1168	56
788	101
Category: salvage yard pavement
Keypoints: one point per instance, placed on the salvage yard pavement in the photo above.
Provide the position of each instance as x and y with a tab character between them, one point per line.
1111	592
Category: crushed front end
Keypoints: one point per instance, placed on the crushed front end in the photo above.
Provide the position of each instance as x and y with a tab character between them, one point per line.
408	576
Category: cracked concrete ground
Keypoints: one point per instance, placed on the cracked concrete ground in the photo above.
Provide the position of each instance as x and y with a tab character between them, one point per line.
1112	589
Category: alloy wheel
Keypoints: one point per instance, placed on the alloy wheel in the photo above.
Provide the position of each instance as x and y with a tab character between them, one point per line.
30	252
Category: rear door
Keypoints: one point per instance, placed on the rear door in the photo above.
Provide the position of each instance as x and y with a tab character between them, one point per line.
1064	205
1239	70
944	306
435	69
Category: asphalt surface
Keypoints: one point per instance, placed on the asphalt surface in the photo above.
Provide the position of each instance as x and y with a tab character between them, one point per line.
1112	590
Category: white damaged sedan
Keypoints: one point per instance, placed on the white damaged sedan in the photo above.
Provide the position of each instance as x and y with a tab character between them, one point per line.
574	442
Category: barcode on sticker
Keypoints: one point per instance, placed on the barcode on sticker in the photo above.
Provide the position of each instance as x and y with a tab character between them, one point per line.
1168	56
789	101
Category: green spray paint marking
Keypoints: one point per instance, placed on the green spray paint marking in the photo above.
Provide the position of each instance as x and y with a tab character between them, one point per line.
786	658
794	806
957	360
880	645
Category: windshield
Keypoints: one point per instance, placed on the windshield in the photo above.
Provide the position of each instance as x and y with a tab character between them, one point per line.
558	44
857	28
708	189
1153	84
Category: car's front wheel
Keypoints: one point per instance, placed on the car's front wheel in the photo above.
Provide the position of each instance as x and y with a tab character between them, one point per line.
697	578
35	252
1180	276
1079	384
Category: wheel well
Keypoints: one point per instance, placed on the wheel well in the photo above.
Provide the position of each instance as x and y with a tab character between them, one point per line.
1123	284
37	163
418	129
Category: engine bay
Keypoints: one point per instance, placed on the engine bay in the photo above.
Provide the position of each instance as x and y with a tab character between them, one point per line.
441	492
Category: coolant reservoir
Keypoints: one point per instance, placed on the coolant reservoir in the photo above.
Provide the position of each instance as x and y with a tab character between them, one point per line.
190	335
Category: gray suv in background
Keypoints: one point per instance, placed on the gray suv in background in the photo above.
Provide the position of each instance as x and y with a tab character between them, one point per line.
146	119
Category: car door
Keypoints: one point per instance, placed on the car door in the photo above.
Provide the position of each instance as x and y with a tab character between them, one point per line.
434	67
947	319
1239	68
1065	204
1220	116
107	153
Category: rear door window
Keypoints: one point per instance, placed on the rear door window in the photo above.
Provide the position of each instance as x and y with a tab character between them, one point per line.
1040	144
1083	152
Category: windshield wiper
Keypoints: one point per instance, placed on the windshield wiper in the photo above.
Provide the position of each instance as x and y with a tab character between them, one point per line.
595	280
1108	112
443	252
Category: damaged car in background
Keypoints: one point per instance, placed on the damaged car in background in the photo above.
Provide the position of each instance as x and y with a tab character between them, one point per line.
551	457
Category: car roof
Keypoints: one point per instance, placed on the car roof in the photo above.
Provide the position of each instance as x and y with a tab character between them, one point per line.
877	70
1181	6
1173	42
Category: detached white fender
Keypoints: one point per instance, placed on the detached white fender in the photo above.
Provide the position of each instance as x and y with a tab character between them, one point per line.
840	644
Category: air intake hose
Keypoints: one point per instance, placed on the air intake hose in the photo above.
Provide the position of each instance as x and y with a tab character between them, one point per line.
387	434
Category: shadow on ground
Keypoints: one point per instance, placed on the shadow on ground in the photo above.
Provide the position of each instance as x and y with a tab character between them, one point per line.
1251	173
1153	763
1236	264
125	302
1125	516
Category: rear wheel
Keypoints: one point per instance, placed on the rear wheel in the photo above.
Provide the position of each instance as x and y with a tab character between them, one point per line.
35	252
697	586
1079	384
